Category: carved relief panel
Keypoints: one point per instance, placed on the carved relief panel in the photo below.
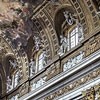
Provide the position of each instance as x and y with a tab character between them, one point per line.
53	70
92	45
23	89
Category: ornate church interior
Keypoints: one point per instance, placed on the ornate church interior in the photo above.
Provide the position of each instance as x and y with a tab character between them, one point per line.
49	49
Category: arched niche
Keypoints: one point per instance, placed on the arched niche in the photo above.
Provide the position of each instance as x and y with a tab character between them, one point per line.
12	71
68	28
59	18
8	68
33	42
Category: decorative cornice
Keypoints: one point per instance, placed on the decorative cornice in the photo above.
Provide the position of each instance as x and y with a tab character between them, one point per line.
63	75
74	84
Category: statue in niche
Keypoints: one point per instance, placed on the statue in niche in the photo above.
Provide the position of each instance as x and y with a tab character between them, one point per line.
38	43
13	63
63	46
71	19
9	84
16	78
12	83
32	67
44	57
80	31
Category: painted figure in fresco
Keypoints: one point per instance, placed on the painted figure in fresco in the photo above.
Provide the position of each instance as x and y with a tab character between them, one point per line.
16	21
25	11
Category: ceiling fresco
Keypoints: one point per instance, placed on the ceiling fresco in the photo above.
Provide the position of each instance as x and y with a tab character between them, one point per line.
15	21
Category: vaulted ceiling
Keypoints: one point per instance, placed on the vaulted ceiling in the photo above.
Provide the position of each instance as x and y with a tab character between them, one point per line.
44	19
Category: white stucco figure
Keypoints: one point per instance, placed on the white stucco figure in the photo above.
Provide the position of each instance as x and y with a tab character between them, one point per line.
69	64
14	97
65	67
69	18
37	42
32	67
16	78
63	45
44	58
80	32
73	61
80	57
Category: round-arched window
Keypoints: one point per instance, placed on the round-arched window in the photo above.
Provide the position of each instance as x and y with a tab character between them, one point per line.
75	36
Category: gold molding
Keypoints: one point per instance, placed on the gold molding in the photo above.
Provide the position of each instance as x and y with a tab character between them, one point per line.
74	84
